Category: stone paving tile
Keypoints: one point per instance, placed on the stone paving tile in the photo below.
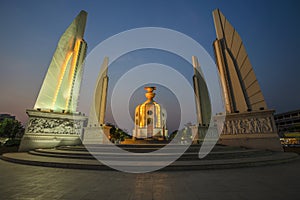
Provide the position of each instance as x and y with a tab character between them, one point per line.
42	183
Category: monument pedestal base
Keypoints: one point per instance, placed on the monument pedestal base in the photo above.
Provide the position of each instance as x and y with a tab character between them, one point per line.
35	141
49	129
145	141
254	129
94	135
198	133
254	141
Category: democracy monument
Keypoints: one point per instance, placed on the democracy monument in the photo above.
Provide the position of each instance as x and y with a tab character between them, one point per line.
55	122
248	121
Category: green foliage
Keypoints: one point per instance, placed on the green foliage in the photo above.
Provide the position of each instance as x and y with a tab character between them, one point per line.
117	134
10	128
182	136
186	134
12	142
173	134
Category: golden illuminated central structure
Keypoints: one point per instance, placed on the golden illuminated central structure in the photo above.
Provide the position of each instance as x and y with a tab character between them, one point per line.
150	118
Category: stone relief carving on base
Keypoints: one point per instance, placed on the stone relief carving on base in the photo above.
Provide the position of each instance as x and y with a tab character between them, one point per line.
248	125
53	126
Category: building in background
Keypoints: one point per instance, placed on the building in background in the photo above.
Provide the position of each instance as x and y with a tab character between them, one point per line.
288	126
288	122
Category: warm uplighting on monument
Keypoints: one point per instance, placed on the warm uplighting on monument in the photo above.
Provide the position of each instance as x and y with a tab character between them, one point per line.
54	119
150	118
60	89
249	123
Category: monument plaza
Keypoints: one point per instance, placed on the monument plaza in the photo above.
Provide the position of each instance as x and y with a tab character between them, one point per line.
65	154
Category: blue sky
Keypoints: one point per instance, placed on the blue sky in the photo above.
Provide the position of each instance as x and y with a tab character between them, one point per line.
31	29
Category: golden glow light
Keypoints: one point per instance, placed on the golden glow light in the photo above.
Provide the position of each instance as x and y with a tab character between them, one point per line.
61	76
142	116
72	71
157	106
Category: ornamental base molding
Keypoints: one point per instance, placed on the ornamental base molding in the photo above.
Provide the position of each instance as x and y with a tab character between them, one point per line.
51	129
255	129
96	135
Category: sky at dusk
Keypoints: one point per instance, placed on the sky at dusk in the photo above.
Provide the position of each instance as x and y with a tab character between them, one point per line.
31	29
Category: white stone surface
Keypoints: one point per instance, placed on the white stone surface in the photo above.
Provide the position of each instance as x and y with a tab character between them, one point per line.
60	89
250	129
240	86
50	129
96	135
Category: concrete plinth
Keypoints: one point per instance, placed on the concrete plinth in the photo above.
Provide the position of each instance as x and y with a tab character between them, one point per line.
50	129
96	135
145	141
198	133
254	129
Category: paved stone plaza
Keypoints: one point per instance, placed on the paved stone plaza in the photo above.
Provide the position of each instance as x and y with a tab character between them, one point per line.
32	182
